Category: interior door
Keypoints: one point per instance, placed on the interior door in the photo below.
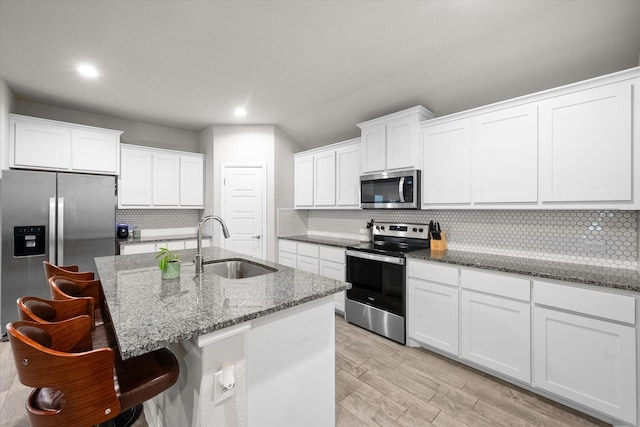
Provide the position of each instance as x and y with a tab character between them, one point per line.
243	208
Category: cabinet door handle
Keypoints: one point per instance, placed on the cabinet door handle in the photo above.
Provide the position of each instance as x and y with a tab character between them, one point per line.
257	236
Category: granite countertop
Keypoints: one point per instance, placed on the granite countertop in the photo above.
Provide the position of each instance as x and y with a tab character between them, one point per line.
149	313
578	273
322	240
155	239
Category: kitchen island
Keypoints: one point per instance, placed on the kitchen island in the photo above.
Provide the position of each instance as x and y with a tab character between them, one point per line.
277	330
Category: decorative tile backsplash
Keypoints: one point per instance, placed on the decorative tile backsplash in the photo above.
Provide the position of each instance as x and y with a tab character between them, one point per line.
598	238
146	219
292	222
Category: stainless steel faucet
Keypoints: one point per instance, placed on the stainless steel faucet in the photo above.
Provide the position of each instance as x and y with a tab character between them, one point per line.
225	231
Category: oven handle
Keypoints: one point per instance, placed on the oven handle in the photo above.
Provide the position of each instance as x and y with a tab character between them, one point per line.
374	257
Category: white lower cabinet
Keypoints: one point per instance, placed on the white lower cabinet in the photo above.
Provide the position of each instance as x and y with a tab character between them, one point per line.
174	245
193	244
573	343
495	326
308	257
496	333
288	253
308	264
591	361
434	315
332	264
142	248
432	305
327	261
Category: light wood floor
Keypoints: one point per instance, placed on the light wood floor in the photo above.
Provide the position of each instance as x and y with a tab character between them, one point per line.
381	383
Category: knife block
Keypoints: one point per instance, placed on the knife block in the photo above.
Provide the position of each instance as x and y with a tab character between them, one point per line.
439	245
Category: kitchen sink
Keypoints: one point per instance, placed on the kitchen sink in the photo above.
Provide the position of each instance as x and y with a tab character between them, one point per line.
237	268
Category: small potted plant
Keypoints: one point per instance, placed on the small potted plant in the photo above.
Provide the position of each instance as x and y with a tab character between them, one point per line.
169	263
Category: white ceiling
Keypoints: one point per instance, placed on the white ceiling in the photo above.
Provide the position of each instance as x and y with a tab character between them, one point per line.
314	68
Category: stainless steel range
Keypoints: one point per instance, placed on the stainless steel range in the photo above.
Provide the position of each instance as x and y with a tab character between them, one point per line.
376	270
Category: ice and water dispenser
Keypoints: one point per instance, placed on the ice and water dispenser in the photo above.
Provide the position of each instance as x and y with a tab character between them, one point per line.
29	240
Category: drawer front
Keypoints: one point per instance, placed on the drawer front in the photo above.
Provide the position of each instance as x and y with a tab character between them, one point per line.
308	264
607	305
331	253
288	246
308	249
433	272
137	249
173	245
496	284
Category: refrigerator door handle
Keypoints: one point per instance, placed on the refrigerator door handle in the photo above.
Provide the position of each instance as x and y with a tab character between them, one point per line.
60	230
52	230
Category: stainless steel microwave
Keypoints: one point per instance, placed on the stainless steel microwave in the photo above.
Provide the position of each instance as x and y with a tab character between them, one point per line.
390	190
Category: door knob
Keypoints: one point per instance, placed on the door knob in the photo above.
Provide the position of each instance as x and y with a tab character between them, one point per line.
257	236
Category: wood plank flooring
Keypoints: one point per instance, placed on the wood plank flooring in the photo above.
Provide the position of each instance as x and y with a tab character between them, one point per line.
381	383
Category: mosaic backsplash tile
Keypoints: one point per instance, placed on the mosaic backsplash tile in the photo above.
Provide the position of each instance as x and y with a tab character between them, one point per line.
292	222
598	238
159	218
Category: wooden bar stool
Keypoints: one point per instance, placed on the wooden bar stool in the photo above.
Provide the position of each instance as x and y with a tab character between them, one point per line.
70	271
89	291
77	386
35	309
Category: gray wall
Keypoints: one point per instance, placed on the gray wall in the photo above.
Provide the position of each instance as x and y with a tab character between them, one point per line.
135	132
285	146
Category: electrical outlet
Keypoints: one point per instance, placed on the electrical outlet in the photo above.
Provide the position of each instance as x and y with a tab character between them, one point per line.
219	393
594	246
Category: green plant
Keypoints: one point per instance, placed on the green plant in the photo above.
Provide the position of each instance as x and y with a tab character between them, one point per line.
166	256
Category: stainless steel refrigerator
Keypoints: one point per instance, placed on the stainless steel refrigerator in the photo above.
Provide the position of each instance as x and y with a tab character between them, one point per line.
62	218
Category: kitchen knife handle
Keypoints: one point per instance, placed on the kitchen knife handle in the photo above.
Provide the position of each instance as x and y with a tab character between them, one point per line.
60	230
52	230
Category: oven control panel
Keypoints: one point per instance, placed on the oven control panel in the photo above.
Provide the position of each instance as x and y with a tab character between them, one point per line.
412	231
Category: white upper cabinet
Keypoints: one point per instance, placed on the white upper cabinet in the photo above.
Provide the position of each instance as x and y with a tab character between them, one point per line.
134	183
504	156
586	145
52	145
160	179
573	147
166	179
446	174
328	177
324	179
374	148
393	141
348	176
192	181
303	184
402	143
95	151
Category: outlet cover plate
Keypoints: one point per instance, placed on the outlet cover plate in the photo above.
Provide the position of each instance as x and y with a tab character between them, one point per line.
219	394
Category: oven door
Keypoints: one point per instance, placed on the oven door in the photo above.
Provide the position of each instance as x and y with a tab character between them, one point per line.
377	280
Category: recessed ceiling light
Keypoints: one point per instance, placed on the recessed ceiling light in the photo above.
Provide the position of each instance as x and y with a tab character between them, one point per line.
240	112
87	70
